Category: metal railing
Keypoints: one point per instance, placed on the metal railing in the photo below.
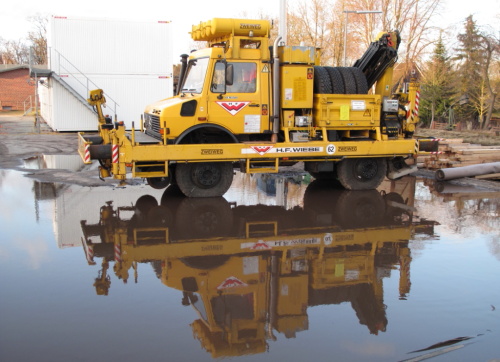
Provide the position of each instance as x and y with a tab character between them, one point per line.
80	82
28	105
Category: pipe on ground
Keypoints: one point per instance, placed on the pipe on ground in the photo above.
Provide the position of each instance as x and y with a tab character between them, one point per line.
467	171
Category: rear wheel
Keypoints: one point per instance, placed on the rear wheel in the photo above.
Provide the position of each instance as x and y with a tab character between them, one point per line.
205	179
362	173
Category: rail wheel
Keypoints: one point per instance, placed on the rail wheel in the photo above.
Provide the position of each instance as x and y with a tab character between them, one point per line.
158	183
362	173
204	179
145	203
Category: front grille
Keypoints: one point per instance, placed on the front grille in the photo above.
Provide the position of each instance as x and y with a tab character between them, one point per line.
152	125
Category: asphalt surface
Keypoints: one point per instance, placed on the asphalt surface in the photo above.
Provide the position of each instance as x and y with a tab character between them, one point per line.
21	139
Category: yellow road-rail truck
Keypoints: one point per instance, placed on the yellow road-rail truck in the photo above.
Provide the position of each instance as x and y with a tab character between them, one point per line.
244	103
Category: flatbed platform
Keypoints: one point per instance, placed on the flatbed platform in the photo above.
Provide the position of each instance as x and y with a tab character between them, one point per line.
142	138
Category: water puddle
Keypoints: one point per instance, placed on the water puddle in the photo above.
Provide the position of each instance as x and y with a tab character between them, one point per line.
397	273
57	162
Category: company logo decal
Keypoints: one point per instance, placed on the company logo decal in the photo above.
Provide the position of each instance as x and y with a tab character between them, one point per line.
266	245
233	107
260	245
231	282
261	150
298	149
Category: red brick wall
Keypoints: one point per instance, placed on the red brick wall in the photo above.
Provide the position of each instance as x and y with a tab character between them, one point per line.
14	89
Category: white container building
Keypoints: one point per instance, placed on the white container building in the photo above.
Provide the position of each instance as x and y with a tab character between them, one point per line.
130	60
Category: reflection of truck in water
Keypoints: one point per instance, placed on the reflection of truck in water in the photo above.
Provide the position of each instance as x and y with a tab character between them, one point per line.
248	104
252	271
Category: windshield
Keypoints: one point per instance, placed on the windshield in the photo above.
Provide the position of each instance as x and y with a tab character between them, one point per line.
197	303
197	69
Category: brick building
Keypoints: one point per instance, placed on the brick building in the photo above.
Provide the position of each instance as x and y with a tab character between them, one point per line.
15	86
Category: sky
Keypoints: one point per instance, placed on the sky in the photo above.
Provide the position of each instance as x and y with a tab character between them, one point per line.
14	24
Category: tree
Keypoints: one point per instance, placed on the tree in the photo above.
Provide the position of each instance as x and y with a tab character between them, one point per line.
14	52
491	48
411	17
312	23
437	84
470	72
18	51
38	39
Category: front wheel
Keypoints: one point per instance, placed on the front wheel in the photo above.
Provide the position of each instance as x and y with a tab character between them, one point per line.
204	179
362	173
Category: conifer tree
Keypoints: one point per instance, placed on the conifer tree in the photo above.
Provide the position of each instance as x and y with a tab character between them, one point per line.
471	87
437	85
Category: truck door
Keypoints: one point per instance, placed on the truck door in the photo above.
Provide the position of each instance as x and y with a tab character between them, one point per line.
243	107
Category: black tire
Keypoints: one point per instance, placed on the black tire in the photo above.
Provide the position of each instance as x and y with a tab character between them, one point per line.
207	262
360	209
144	204
324	175
158	183
160	216
204	218
336	80
322	83
360	80
348	79
362	173
204	179
331	177
320	202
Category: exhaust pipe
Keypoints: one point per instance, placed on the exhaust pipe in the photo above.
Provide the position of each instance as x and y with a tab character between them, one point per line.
276	91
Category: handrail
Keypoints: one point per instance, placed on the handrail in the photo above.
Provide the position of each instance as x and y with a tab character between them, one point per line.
70	69
28	104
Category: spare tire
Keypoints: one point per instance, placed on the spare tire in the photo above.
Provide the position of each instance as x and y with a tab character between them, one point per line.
360	80
339	80
349	81
336	80
322	83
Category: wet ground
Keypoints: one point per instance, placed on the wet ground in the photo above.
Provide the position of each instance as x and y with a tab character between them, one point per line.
280	268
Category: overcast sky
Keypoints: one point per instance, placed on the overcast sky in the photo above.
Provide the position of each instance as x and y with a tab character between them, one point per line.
14	24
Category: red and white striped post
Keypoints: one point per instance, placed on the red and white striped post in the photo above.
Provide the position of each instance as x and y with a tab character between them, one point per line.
87	153
114	153
118	253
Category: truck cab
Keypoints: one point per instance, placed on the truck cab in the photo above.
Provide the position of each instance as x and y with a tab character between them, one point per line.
223	94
